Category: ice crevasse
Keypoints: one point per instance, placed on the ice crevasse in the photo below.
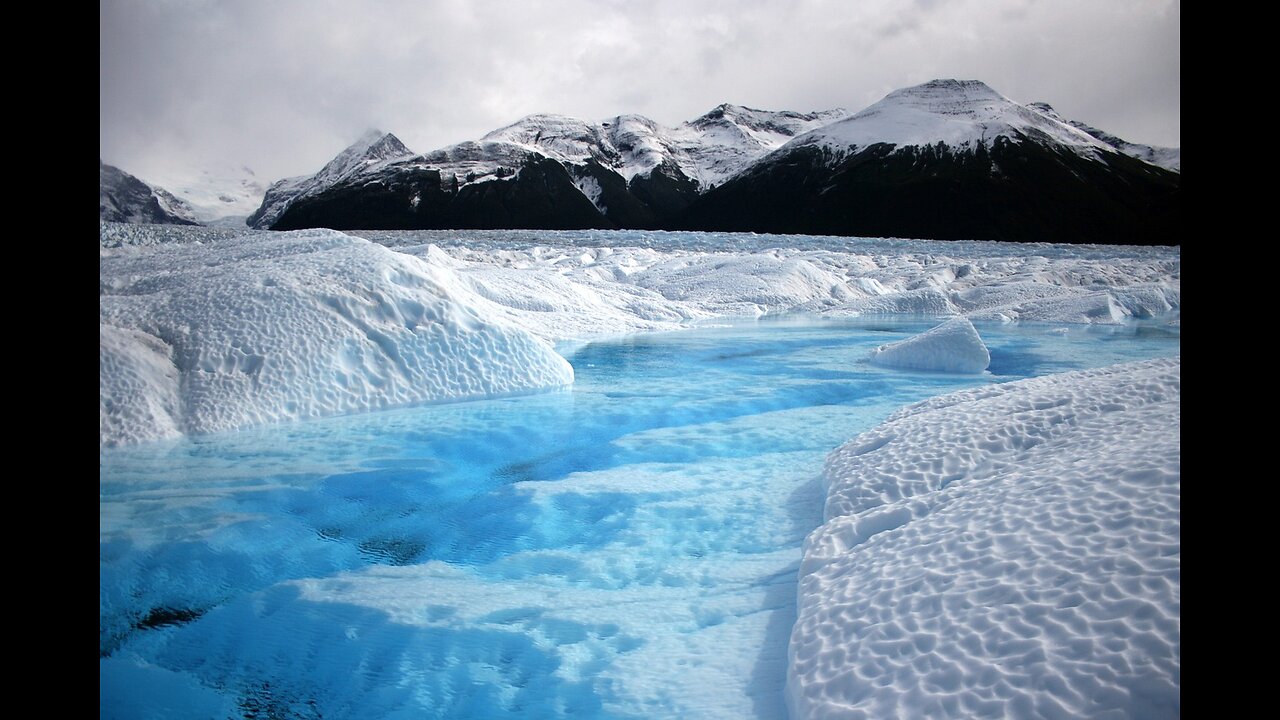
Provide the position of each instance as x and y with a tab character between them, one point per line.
245	331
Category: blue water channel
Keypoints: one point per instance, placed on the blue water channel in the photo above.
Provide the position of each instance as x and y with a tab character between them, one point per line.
626	548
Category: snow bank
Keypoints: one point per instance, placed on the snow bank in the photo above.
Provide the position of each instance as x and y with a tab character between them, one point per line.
954	346
1005	551
260	328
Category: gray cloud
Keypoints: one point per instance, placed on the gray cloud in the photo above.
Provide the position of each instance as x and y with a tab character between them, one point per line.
283	85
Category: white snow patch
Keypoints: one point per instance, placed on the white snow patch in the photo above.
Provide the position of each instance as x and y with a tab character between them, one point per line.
1005	551
954	346
590	187
262	328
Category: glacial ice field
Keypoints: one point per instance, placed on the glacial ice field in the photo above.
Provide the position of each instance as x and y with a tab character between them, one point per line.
614	523
204	329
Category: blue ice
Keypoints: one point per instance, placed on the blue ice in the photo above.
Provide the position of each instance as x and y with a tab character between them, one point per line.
623	549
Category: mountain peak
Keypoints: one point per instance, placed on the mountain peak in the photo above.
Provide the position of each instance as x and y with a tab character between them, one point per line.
560	137
728	112
377	145
1047	110
368	137
532	125
373	147
949	97
728	109
961	114
951	85
781	123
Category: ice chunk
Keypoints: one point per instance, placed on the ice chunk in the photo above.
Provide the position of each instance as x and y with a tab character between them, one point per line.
954	346
262	328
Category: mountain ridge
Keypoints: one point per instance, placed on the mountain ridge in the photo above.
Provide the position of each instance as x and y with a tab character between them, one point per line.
946	151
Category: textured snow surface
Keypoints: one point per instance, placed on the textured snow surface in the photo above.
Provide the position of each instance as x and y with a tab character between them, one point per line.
958	113
573	285
265	327
954	346
576	285
1007	551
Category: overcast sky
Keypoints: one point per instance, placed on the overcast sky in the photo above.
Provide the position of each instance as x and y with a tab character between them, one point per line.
283	85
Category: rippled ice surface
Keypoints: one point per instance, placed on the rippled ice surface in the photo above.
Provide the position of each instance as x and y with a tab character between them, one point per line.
624	549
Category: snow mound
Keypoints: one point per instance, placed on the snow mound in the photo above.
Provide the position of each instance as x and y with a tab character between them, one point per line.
262	328
973	565
954	346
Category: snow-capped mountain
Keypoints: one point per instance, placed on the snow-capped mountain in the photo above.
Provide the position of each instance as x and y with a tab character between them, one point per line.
730	137
708	149
949	159
125	198
1166	157
365	156
632	170
961	114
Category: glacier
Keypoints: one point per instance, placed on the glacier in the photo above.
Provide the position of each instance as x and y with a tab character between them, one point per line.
209	329
1007	549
